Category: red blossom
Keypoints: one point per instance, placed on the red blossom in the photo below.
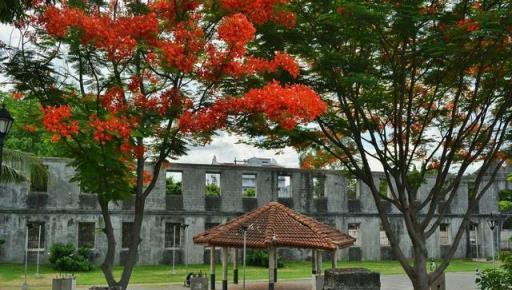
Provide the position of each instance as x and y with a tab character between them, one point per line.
261	11
117	36
29	128
58	120
236	31
114	100
285	105
469	24
17	95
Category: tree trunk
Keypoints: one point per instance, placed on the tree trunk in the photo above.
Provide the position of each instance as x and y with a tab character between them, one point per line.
133	250
108	263
420	281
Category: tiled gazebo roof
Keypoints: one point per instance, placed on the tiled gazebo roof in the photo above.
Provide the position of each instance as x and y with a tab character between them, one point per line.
275	221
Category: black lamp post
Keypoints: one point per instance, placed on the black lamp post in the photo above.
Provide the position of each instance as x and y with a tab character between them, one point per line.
184	227
6	121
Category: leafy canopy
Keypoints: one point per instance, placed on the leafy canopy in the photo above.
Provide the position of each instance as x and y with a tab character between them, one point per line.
143	79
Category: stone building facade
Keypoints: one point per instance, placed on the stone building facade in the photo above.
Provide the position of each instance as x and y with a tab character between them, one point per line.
61	213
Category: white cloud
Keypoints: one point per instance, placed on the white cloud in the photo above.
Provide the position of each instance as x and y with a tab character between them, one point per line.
226	148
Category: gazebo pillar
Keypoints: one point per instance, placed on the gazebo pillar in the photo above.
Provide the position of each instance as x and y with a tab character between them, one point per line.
335	259
224	268
318	262
275	265
235	266
313	261
271	268
212	267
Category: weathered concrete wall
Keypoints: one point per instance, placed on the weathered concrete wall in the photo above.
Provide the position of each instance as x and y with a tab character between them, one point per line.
63	206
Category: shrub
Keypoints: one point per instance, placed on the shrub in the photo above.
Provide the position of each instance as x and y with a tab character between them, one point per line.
260	259
173	187
64	257
499	278
212	189
250	192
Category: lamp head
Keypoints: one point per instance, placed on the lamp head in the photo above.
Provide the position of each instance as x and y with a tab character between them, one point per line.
6	121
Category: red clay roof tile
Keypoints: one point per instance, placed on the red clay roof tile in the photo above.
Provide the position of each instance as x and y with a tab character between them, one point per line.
290	229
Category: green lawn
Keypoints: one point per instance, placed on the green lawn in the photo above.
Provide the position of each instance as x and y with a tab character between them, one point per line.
11	275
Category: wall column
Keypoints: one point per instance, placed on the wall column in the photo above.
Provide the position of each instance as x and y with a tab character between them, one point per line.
212	267
271	267
224	268
235	266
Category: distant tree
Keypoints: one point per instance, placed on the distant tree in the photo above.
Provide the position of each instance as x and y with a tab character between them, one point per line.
26	135
505	202
124	86
10	10
422	88
212	189
173	187
250	192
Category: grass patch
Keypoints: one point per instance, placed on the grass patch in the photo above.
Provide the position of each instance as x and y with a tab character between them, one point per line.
12	275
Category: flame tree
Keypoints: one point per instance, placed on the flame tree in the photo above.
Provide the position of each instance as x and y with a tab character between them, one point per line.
126	85
422	87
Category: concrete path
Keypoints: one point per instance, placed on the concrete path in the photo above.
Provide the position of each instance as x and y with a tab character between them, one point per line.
454	281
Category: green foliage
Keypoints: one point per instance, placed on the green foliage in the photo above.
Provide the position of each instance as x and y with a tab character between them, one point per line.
495	279
64	257
352	188
260	259
505	202
250	192
212	189
20	166
498	278
172	187
10	10
24	135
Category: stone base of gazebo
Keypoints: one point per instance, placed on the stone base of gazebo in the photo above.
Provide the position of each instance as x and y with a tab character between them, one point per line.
351	279
317	282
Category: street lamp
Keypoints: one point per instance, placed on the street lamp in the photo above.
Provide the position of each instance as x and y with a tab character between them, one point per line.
6	121
184	228
243	230
491	221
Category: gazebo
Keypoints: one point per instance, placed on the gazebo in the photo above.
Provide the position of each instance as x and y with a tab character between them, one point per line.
270	227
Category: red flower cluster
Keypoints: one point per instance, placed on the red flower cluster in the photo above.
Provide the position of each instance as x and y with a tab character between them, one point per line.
110	128
58	120
281	60
114	100
469	24
221	64
236	31
17	95
169	9
261	11
118	37
29	128
173	41
181	52
287	106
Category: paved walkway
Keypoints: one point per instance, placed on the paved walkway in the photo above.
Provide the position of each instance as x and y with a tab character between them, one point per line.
454	281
